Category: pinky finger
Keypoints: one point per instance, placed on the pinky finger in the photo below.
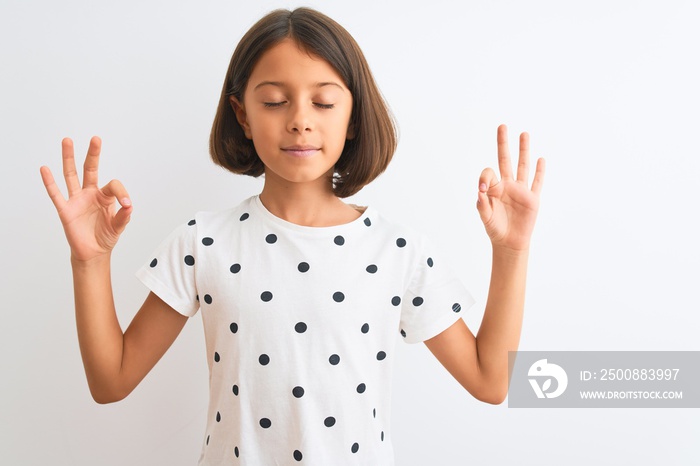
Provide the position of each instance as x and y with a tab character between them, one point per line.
51	188
539	176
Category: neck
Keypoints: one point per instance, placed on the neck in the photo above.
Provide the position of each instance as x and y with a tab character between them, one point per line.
310	204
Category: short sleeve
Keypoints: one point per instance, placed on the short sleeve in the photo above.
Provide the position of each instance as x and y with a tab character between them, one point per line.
434	299
170	273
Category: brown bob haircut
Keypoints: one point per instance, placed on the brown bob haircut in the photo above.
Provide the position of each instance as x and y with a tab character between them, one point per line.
366	155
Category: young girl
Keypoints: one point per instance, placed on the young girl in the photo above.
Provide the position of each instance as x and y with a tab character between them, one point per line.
303	296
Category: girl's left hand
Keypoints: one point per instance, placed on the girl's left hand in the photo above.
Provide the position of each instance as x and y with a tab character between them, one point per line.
508	207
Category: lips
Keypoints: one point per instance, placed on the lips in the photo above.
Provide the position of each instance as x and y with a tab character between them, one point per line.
301	150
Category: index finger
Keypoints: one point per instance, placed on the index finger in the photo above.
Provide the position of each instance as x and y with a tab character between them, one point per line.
503	153
92	161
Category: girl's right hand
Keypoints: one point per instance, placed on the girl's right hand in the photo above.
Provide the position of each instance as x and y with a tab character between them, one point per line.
90	218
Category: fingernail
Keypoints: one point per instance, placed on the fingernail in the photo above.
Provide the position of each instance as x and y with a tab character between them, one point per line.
482	186
126	202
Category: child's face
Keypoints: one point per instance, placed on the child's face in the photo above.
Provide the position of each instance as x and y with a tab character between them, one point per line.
296	109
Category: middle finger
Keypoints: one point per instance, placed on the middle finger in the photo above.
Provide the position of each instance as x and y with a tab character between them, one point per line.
92	162
503	153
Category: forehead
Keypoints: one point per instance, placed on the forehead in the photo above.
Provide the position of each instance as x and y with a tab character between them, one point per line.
287	63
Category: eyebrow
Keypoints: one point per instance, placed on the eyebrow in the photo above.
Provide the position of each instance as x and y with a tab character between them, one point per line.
281	84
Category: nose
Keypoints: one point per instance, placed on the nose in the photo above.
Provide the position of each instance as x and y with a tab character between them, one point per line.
300	119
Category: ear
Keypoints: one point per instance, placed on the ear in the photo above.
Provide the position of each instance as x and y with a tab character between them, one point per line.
241	116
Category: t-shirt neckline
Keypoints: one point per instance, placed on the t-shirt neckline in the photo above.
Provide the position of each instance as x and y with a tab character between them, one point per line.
362	221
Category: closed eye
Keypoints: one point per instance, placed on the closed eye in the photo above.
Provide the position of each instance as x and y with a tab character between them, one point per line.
279	104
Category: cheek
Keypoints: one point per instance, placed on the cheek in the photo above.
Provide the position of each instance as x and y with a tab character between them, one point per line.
347	124
340	123
262	128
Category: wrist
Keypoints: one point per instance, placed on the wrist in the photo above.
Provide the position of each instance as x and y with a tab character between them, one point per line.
88	264
508	252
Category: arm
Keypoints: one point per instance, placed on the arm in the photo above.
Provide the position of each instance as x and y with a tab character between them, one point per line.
115	362
508	209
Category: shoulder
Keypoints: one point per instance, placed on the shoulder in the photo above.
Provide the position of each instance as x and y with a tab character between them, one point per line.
401	235
239	213
204	224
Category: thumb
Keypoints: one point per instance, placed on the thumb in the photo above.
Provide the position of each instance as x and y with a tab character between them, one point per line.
115	189
483	203
121	219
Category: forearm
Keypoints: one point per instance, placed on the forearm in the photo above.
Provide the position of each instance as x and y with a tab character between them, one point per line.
500	328
99	333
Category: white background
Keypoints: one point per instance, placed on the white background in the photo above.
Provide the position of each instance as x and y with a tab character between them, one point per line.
608	91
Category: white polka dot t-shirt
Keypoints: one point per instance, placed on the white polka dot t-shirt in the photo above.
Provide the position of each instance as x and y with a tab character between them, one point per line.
300	326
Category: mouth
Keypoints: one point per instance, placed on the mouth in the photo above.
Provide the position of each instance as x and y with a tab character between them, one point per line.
301	150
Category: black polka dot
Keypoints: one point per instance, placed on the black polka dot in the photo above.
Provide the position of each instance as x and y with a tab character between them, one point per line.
300	327
264	359
265	423
207	299
207	241
339	240
235	452
189	260
361	388
401	242
266	296
338	297
235	390
334	359
191	222
217	358
218	416
368	222
303	267
381	355
456	307
417	301
271	238
298	392
382	436
244	217
297	455
154	262
372	268
207	435
233	327
235	268
197	297
395	300
403	333
365	328
355	447
430	261
329	421
374	412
